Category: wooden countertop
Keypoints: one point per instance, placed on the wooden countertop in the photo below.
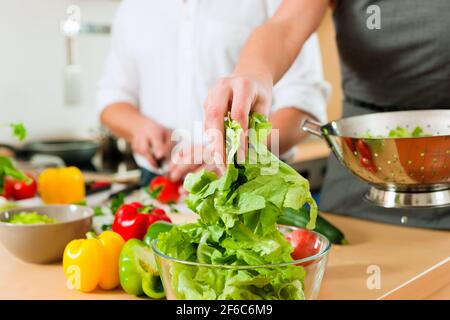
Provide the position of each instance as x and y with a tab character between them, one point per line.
413	264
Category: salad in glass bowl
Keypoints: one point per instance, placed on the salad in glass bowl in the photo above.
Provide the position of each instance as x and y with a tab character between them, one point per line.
236	250
298	279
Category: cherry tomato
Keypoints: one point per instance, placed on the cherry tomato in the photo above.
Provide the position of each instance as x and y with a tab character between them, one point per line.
165	190
304	243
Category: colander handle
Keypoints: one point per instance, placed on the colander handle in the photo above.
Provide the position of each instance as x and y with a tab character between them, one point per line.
312	127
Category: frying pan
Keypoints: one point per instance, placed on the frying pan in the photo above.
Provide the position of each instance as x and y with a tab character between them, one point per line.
405	165
73	152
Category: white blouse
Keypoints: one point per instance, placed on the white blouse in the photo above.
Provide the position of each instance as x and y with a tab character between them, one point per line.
166	54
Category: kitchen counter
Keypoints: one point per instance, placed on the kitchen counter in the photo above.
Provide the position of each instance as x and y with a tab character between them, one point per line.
413	264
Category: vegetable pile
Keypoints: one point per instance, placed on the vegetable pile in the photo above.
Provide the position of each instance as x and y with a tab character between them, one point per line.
399	132
238	225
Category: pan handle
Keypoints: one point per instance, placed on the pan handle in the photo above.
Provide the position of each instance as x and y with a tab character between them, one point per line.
312	127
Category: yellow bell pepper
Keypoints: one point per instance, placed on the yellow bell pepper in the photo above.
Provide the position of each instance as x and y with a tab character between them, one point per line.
93	262
61	185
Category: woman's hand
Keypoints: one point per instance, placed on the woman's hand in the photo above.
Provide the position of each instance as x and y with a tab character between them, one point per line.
240	95
267	55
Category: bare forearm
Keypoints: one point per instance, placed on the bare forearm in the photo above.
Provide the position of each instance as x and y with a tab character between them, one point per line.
268	54
272	47
288	122
113	117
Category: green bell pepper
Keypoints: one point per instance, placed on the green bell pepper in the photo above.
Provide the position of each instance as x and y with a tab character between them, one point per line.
138	271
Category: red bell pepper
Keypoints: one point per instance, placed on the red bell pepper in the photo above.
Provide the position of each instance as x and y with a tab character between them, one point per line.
19	189
164	190
133	219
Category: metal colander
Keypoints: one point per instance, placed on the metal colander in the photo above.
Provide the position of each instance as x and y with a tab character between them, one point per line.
398	165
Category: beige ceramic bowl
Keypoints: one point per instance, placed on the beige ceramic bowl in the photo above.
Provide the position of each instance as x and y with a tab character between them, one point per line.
45	243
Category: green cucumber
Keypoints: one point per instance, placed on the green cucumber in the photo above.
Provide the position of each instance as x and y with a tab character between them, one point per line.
300	218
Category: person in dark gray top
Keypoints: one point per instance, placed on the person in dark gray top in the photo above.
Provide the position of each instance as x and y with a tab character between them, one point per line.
395	55
403	65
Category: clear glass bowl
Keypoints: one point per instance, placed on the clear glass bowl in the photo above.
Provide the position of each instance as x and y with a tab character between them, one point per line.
180	276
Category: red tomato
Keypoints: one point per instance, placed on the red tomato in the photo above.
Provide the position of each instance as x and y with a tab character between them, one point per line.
165	190
19	190
304	243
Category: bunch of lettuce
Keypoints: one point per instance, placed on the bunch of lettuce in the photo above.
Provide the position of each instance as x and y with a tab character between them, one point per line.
238	226
399	132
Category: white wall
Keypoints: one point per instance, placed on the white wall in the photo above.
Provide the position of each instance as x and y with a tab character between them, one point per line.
32	60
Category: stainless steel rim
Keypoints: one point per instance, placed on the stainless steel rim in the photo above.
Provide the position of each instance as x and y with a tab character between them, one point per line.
395	199
434	122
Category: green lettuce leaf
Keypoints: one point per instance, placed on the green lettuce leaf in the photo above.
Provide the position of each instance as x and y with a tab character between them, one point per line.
19	131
